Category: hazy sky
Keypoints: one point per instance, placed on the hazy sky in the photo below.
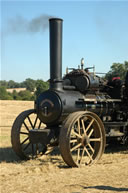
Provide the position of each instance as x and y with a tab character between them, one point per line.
94	30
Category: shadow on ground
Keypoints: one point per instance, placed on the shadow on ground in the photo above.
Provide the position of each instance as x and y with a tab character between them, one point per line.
110	188
102	187
8	155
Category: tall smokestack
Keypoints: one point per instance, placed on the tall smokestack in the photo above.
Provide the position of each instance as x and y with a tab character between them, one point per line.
55	53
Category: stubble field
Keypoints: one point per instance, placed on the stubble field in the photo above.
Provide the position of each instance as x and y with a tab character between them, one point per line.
49	174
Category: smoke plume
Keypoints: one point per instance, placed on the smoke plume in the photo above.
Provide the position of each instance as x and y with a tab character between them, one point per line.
21	25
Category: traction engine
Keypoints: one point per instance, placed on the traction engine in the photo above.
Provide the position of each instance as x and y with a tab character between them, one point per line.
78	112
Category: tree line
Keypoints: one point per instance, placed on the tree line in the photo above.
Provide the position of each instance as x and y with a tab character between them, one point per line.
35	87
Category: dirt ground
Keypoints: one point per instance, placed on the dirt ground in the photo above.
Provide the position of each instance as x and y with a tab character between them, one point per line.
50	174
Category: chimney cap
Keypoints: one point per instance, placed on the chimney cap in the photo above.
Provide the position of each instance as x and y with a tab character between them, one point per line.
55	18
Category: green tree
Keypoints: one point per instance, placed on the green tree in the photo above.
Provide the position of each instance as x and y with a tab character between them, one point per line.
4	83
29	84
117	69
4	95
16	96
12	84
41	86
26	95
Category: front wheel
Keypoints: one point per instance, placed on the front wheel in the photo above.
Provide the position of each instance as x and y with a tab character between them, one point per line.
82	139
20	140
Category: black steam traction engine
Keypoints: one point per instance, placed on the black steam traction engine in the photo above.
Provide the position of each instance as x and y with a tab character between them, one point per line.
79	111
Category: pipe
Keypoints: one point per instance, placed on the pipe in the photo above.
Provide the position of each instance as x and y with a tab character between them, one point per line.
55	25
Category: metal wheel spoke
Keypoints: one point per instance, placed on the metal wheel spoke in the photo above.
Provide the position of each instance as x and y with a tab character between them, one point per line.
78	126
26	126
24	140
35	122
76	134
39	125
75	147
88	153
73	140
26	146
24	133
83	126
90	132
95	139
82	155
89	125
91	148
30	122
78	155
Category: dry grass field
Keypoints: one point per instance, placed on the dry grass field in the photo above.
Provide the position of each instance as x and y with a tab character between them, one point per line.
49	174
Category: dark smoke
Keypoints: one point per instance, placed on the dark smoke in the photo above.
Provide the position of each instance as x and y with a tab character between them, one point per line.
21	25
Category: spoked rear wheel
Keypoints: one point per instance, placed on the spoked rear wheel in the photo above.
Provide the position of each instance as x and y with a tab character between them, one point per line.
20	135
82	139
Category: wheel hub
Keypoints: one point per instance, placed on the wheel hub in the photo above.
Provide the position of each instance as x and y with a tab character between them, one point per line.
85	140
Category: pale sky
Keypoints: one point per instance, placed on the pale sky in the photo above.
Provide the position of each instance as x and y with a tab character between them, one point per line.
94	30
